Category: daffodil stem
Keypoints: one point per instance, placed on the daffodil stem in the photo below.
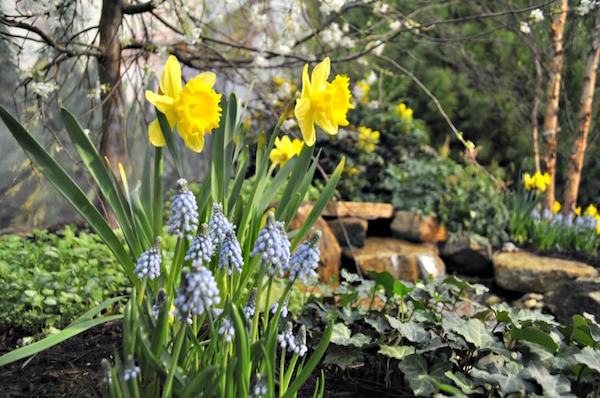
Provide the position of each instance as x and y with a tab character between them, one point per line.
176	351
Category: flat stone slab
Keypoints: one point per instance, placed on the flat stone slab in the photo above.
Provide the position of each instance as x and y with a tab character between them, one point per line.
576	297
526	272
404	260
364	210
412	226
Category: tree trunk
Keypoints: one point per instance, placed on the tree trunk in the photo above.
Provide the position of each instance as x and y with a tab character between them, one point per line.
112	145
534	115
552	96
583	120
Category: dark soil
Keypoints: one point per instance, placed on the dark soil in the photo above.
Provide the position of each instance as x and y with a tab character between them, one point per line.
69	369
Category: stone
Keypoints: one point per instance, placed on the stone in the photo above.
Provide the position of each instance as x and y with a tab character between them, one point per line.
526	272
576	297
349	231
404	260
364	210
412	226
468	256
331	252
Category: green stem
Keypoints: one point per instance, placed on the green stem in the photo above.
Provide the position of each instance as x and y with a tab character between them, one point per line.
140	298
267	304
261	275
172	272
176	351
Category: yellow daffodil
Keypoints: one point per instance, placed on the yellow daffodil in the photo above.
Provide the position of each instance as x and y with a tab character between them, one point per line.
556	208
405	112
591	211
367	139
322	103
284	150
194	109
539	181
578	211
528	181
351	171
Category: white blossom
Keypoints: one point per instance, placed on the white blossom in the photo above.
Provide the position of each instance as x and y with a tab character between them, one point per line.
525	28
44	89
329	6
395	25
260	61
536	15
586	6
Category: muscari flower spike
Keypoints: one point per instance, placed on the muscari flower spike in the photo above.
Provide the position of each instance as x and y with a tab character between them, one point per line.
305	260
197	293
160	301
272	245
231	253
250	307
184	212
131	371
218	225
227	329
284	309
106	371
148	265
202	248
259	387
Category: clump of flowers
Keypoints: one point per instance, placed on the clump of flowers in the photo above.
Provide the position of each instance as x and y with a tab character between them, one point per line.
404	112
538	181
367	139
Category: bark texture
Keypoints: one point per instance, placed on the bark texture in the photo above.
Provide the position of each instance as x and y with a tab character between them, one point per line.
552	96
583	120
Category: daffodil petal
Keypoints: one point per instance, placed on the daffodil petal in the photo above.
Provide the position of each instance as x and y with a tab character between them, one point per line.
208	78
170	78
306	89
323	122
195	142
163	103
155	134
320	74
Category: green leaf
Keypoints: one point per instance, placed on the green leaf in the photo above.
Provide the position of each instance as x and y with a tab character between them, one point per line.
54	339
462	285
341	356
342	336
397	352
170	140
465	384
410	330
401	289
55	174
475	332
384	279
589	357
552	385
415	372
534	335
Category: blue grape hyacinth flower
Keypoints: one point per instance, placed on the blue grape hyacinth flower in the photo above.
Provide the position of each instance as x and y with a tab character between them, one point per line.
202	248
272	246
305	260
148	265
184	212
197	293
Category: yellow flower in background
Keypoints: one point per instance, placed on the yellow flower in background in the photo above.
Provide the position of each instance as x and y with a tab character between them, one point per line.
591	211
405	112
194	109
578	211
322	103
351	171
367	139
556	208
539	181
284	150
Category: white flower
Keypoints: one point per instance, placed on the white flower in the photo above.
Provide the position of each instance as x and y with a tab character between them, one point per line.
586	6
525	28
260	61
329	6
536	15
44	89
289	124
380	7
372	78
395	25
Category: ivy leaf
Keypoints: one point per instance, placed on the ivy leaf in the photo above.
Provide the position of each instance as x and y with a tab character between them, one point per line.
379	324
535	335
349	277
412	331
465	384
414	368
343	336
384	279
397	352
462	285
401	289
341	356
553	386
507	383
475	332
589	357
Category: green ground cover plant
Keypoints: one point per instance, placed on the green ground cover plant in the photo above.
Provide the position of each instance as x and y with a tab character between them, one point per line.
49	279
446	342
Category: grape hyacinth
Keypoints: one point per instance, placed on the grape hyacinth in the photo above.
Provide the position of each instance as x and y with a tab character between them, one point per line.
106	371
184	212
305	260
227	329
294	344
148	265
197	293
131	371
160	301
284	309
202	248
259	387
219	225
250	307
272	245
231	253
